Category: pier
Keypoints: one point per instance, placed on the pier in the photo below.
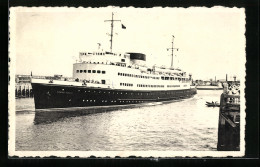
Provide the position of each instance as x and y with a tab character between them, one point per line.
23	87
229	122
23	90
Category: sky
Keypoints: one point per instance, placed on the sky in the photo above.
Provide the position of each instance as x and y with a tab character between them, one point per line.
211	41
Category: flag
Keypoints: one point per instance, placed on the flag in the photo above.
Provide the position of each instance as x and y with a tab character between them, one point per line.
123	27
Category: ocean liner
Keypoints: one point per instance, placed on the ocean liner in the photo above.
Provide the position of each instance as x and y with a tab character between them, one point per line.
105	78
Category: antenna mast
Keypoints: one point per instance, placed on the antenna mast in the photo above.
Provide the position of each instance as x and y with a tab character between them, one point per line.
172	48
111	34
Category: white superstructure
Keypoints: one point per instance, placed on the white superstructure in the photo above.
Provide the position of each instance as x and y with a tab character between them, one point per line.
127	71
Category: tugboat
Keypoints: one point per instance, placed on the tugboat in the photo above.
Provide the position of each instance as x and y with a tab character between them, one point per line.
105	78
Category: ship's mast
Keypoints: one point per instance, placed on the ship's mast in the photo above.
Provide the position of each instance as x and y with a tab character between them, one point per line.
111	34
172	48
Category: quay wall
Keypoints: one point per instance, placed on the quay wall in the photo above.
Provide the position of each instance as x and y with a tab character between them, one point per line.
23	90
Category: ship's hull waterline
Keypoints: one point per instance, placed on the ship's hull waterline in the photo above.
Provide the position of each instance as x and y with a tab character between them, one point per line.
52	96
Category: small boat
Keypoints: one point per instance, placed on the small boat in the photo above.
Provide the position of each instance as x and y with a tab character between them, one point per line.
212	104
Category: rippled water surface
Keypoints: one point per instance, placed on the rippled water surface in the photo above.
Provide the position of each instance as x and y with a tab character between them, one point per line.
186	125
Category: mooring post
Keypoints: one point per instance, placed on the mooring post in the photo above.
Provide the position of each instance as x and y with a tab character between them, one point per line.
16	92
20	90
24	91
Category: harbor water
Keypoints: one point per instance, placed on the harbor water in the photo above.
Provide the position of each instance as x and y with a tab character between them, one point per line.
184	125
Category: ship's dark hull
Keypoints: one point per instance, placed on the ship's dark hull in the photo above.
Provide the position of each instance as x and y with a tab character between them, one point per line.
47	96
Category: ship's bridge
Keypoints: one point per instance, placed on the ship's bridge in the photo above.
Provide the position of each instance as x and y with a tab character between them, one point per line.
103	57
